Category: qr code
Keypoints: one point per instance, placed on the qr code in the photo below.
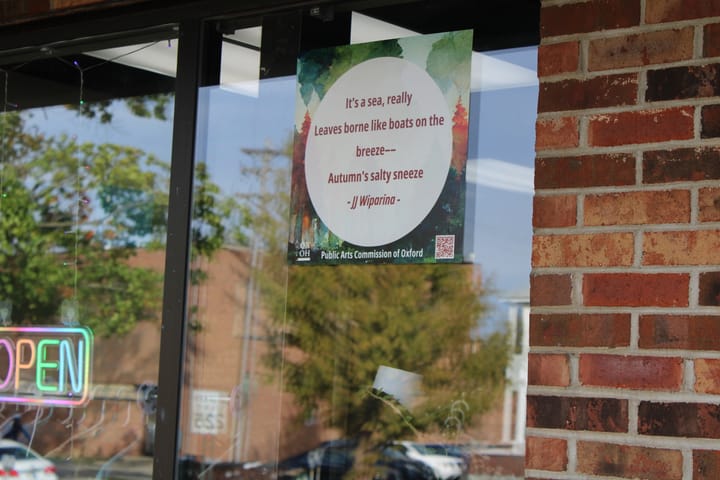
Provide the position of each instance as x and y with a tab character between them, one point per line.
444	247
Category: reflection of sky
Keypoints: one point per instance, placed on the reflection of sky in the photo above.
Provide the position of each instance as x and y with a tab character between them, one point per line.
502	129
504	122
151	135
237	121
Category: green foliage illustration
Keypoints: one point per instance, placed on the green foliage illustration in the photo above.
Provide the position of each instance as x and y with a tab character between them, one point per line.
446	57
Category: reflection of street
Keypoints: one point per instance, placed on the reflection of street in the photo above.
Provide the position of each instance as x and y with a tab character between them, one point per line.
129	468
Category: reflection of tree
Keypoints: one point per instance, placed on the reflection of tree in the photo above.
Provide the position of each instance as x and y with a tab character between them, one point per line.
148	106
211	212
72	217
333	326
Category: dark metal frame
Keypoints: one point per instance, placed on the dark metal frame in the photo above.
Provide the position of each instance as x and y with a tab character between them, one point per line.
198	65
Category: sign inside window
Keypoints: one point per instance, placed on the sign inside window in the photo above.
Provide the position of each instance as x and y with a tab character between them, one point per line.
380	152
45	365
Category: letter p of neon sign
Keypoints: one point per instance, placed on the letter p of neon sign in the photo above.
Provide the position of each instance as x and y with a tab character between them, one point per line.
45	365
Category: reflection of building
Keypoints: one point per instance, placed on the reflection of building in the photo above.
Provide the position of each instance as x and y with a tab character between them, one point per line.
236	407
499	442
516	389
237	410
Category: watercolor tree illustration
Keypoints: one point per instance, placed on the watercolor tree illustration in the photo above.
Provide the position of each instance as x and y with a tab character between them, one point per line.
448	63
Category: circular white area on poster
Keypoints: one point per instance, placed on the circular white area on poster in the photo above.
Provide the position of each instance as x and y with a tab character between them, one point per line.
378	151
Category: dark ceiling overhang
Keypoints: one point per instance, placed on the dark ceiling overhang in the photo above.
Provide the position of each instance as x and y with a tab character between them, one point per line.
39	53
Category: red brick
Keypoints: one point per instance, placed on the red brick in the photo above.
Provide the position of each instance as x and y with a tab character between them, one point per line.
683	332
546	454
660	11
554	211
707	376
665	46
693	420
557	58
706	464
585	17
709	294
548	369
711	40
709	204
570	413
580	330
676	83
557	133
636	289
637	373
700	247
586	250
710	121
585	171
630	128
550	290
594	458
681	165
638	208
597	92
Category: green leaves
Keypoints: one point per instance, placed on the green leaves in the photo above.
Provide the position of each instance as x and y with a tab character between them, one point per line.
72	217
348	320
319	69
334	326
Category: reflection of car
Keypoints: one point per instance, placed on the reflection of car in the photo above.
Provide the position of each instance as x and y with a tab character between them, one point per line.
446	467
18	461
450	449
406	467
332	460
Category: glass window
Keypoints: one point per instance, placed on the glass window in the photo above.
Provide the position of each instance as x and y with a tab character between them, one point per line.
84	171
283	362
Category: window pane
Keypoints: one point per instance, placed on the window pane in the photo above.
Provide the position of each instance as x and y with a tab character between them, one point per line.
85	158
287	366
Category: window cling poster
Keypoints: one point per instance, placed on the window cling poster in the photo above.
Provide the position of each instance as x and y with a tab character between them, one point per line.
380	152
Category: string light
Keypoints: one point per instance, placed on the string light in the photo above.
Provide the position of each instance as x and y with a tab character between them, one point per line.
82	69
82	80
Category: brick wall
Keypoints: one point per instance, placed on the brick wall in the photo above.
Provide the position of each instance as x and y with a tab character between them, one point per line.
625	288
17	11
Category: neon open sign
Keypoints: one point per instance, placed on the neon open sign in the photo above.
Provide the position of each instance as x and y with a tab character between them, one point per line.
45	365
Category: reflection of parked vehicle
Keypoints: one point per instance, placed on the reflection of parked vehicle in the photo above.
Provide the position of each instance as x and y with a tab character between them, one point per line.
446	467
332	460
408	468
452	450
18	461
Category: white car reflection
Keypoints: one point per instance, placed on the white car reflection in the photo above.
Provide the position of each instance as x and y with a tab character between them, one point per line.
446	467
17	461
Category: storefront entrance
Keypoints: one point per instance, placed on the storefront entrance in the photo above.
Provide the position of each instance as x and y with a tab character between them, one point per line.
149	199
